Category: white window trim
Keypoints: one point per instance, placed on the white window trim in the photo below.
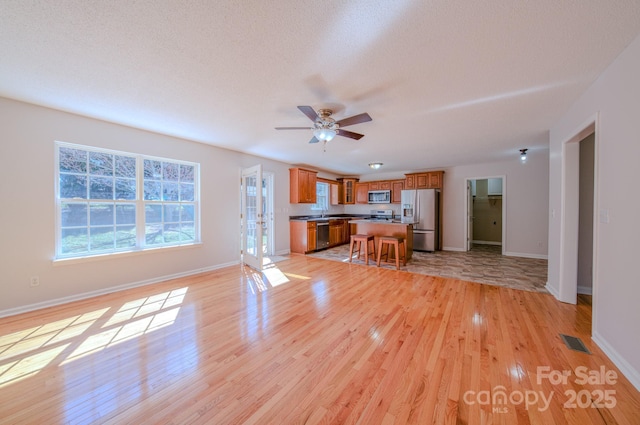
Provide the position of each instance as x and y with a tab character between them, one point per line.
140	203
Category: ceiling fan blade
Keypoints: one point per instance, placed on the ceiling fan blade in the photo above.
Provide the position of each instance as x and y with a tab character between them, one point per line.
308	111
294	128
350	134
314	140
356	119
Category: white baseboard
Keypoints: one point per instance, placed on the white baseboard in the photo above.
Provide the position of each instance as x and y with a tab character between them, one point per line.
487	243
451	248
525	255
627	370
552	291
283	252
85	295
585	290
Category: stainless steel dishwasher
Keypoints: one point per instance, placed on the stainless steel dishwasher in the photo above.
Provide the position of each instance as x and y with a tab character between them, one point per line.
322	238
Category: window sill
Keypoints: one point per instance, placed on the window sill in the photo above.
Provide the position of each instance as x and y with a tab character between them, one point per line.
123	254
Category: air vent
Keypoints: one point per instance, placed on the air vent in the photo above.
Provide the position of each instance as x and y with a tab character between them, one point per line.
574	343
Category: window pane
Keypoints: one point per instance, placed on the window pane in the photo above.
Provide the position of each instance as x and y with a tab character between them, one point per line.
73	214
170	171
187	233
100	164
186	192
125	236
152	190
172	213
73	186
73	160
153	234
170	191
186	173
187	213
101	238
101	188
101	214
153	213
125	166
74	240
152	169
171	233
125	214
126	189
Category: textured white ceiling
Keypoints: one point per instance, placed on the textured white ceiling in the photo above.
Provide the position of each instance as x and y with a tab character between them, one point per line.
447	82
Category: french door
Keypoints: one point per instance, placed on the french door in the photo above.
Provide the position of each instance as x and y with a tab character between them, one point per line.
252	217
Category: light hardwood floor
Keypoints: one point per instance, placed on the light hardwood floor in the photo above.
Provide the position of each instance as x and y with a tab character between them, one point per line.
309	341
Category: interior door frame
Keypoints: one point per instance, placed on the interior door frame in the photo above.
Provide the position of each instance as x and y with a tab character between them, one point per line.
268	177
504	208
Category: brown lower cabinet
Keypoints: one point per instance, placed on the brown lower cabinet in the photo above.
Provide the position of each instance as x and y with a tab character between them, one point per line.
303	234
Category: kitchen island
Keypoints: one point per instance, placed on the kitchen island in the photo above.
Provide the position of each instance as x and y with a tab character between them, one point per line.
379	228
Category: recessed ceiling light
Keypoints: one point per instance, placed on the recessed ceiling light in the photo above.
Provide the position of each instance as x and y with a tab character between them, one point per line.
375	165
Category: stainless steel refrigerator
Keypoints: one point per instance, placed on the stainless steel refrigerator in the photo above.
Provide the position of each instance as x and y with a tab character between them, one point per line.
422	208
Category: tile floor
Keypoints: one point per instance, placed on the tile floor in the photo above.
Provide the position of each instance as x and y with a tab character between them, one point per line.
482	264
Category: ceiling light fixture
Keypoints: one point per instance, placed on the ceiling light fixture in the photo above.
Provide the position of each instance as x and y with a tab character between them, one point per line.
324	134
523	155
375	165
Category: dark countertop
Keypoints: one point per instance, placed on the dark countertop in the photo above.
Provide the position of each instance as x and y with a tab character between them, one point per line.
327	217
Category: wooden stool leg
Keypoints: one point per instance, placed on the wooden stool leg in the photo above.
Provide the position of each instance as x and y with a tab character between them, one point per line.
396	248
351	249
366	252
373	248
379	251
404	253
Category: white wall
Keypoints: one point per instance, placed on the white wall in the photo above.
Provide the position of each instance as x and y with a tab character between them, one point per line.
27	135
526	199
613	101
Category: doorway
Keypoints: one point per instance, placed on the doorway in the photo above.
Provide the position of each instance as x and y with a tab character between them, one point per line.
257	219
578	256
486	206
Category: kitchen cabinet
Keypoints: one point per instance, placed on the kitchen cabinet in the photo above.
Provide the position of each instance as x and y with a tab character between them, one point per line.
302	236
334	193
380	185
424	180
346	234
396	191
302	186
335	232
312	235
362	193
346	190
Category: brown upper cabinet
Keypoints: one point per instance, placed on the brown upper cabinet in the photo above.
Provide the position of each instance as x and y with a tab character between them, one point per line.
362	193
424	180
347	190
396	191
302	186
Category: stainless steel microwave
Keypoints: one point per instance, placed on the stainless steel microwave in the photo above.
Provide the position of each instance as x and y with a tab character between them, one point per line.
379	196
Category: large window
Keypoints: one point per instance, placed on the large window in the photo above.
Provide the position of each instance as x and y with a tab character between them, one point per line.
113	201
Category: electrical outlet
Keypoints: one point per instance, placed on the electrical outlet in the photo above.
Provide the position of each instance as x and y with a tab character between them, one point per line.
35	281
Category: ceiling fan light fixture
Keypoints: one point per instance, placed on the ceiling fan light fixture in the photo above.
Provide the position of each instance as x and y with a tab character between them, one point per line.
523	155
375	165
324	134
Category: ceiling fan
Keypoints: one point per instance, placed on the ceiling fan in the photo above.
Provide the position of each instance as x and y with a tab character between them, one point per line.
326	128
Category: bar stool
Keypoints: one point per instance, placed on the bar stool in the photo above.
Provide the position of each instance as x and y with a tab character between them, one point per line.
359	239
399	249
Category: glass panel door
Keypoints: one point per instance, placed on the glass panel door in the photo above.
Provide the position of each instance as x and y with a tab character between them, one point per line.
252	217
